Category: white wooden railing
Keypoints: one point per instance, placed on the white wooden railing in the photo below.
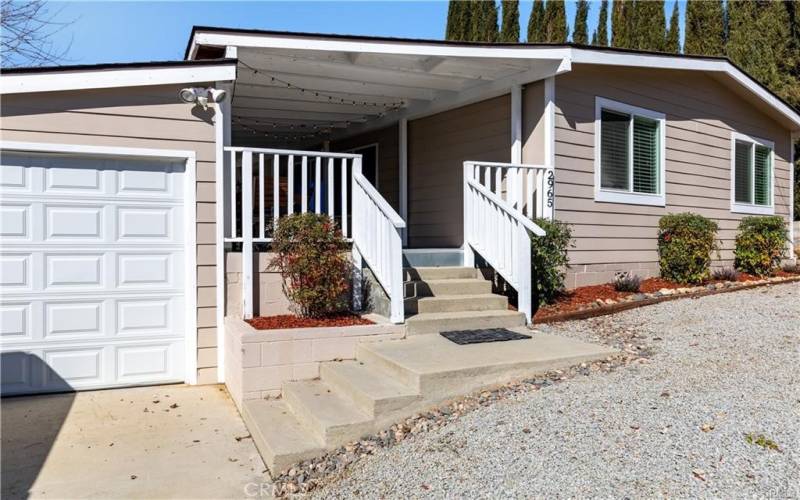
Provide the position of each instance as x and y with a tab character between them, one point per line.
262	185
500	201
377	238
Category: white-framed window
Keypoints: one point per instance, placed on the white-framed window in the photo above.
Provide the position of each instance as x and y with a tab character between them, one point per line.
752	175
629	165
369	161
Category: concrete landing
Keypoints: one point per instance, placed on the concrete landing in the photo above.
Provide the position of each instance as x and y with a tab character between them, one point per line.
392	380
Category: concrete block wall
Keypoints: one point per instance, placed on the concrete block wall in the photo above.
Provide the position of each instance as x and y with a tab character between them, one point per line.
258	362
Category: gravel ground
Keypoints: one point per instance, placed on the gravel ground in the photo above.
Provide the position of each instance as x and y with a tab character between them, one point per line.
719	368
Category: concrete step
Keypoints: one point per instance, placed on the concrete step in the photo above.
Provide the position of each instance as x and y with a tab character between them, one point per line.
331	418
438	273
428	288
372	390
440	369
457	303
465	320
279	436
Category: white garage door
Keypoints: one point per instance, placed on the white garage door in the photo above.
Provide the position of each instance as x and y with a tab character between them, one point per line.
92	272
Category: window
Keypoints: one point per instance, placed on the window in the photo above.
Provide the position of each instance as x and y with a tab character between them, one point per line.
369	162
751	175
629	154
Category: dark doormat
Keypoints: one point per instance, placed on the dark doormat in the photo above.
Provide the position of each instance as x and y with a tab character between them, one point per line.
464	337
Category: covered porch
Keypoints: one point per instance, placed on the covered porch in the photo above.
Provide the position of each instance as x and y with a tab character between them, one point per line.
411	149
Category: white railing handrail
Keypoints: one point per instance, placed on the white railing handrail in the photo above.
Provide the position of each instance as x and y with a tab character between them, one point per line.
379	200
509	165
508	209
314	154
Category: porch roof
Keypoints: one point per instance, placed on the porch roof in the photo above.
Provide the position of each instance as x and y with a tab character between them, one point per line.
294	90
309	87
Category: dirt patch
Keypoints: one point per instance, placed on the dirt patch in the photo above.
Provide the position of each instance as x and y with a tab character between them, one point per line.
288	321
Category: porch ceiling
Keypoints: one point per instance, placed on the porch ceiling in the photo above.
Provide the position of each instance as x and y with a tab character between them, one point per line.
295	97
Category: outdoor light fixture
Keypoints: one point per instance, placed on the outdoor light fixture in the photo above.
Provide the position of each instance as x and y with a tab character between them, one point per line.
201	96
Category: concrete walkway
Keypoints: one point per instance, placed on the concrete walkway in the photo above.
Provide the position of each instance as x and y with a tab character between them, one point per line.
170	441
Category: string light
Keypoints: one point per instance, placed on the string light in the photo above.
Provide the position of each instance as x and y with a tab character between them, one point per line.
331	97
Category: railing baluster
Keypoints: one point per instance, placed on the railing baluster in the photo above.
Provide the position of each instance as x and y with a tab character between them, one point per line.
330	188
498	181
304	184
529	197
247	235
344	197
317	183
234	201
262	222
276	191
290	186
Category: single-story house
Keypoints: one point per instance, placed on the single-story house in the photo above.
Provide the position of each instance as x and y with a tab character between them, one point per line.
138	199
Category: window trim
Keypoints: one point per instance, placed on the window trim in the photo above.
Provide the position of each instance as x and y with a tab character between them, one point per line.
377	147
752	208
629	197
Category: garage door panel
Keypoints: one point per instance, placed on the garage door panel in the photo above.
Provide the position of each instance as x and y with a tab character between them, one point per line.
15	221
148	316
70	222
149	224
74	319
147	362
92	272
82	180
76	272
76	367
16	322
14	178
146	270
16	272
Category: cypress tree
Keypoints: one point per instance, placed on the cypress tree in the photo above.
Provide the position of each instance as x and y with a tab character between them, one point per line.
760	41
705	27
509	32
458	22
620	24
673	41
555	22
579	34
600	36
536	22
489	32
649	25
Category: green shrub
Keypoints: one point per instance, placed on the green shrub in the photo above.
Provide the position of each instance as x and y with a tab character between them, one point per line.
310	255
761	244
549	260
685	244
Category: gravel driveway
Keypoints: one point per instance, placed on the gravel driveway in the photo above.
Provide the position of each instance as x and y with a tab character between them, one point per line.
721	368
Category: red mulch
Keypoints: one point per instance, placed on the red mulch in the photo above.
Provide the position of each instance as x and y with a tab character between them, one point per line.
580	297
285	321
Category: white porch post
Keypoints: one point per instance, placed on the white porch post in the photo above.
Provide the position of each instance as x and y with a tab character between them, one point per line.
514	179
357	278
469	254
403	166
222	138
548	205
247	234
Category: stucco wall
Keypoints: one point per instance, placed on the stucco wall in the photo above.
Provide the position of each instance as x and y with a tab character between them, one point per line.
138	117
701	114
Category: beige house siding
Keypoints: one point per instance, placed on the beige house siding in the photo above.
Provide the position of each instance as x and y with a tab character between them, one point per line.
533	135
139	117
388	158
437	147
700	113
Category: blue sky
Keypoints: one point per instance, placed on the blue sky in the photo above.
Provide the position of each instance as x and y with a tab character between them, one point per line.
142	31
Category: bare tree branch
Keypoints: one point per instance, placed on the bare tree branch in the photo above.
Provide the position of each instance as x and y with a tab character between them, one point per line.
27	30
